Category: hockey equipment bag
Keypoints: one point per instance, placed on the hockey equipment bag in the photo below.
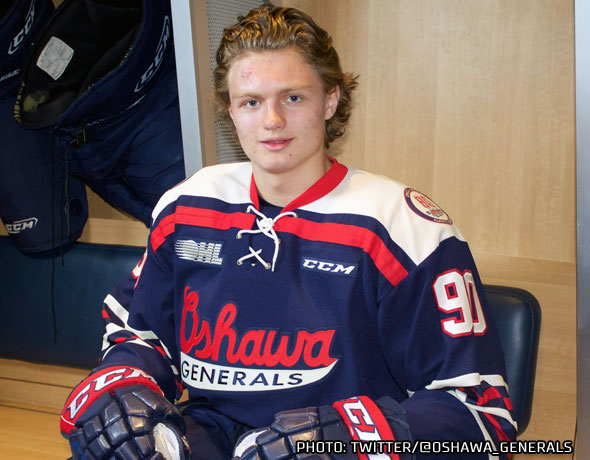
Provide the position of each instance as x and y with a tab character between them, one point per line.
102	77
42	208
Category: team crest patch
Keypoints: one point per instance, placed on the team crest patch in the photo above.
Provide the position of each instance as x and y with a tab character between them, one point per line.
425	207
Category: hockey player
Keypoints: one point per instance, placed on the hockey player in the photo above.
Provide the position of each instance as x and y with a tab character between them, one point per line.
310	310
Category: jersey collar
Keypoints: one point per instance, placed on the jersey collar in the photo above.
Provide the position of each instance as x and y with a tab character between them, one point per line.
320	188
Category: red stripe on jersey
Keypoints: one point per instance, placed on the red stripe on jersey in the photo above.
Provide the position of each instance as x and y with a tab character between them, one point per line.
254	193
499	431
328	232
321	187
348	235
488	395
180	387
493	393
161	350
198	217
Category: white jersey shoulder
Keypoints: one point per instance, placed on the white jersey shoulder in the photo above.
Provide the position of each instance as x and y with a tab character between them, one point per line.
413	220
229	182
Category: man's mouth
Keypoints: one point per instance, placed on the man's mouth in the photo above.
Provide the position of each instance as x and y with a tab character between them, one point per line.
276	144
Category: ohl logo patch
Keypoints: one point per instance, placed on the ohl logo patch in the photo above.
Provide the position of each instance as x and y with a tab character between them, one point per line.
425	207
204	252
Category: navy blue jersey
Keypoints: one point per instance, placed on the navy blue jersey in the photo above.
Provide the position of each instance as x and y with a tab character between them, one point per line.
360	286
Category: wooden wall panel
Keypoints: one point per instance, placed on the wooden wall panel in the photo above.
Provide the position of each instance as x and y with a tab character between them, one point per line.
472	102
108	225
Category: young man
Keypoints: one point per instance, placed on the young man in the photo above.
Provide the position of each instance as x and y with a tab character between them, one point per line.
294	298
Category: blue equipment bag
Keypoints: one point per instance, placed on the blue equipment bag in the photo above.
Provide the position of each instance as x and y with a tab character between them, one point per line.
41	207
102	80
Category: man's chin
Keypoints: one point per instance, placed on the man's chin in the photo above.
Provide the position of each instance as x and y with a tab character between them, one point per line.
275	163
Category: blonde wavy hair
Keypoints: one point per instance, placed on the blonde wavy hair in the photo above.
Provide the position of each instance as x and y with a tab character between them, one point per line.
273	28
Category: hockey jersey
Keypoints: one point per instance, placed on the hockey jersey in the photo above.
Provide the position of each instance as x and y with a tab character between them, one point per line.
360	286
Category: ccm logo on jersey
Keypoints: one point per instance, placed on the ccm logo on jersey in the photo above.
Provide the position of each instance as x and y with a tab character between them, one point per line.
21	225
327	266
97	384
365	422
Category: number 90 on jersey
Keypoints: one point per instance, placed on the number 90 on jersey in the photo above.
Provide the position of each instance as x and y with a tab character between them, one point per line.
455	294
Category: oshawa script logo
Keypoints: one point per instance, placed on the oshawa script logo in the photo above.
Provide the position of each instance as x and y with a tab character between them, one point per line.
259	360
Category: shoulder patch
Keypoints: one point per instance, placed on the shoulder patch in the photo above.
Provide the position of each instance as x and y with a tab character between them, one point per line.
425	207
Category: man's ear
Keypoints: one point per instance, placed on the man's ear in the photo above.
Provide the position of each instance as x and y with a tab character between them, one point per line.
332	99
229	111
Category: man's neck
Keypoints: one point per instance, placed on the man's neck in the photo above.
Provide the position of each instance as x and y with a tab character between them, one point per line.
281	189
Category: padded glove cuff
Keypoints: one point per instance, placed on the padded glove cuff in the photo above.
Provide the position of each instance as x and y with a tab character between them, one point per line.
97	384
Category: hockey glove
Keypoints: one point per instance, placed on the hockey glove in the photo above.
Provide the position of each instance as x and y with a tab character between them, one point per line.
120	413
351	429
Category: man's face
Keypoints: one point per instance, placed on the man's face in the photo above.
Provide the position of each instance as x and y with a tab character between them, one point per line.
278	106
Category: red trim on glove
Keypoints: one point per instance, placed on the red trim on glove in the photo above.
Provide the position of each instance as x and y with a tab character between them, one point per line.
97	384
365	422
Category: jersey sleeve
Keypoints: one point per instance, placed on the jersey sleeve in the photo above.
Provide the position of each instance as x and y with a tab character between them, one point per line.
140	322
435	326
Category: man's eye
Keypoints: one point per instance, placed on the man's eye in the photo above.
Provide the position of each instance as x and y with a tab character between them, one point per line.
294	98
251	103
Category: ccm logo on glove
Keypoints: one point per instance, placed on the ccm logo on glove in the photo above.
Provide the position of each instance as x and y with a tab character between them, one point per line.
95	385
364	419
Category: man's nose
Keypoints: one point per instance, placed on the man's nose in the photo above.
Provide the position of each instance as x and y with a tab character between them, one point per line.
274	117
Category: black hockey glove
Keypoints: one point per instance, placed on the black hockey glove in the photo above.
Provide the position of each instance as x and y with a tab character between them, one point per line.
351	429
120	413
